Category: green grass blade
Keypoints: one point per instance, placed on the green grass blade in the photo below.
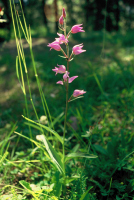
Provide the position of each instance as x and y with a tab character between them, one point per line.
79	155
4	142
4	157
23	29
24	20
34	126
46	128
17	72
85	196
98	83
56	119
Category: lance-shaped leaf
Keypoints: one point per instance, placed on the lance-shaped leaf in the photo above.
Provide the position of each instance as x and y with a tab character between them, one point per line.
55	158
85	196
79	155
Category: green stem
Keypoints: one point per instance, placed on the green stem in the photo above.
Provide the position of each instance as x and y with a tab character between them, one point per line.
65	122
64	132
66	109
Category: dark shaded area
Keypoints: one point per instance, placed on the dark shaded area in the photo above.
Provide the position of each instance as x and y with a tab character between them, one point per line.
112	15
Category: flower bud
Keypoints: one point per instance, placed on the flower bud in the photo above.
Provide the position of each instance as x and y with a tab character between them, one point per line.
61	20
64	13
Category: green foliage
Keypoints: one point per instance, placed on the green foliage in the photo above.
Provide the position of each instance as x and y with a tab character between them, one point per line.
109	173
100	126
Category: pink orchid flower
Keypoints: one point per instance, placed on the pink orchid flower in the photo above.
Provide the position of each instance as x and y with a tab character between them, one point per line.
64	13
77	93
55	45
77	49
60	70
65	77
61	39
61	21
70	80
77	28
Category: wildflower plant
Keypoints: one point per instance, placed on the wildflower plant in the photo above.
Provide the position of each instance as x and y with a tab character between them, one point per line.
61	69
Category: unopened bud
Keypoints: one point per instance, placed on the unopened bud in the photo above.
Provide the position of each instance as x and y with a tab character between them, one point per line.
64	13
61	20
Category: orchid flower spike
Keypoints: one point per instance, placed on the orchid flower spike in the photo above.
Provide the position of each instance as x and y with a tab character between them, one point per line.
60	70
77	93
77	28
77	49
55	45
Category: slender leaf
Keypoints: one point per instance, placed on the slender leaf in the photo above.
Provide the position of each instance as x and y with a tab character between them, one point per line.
56	159
85	196
76	98
71	59
34	126
56	119
25	184
100	149
75	149
4	157
46	128
79	155
61	56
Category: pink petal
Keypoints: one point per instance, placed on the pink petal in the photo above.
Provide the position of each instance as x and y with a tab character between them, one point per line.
60	82
77	28
72	78
66	75
61	39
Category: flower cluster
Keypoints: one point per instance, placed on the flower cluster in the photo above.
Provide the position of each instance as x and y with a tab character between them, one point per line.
62	70
77	49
